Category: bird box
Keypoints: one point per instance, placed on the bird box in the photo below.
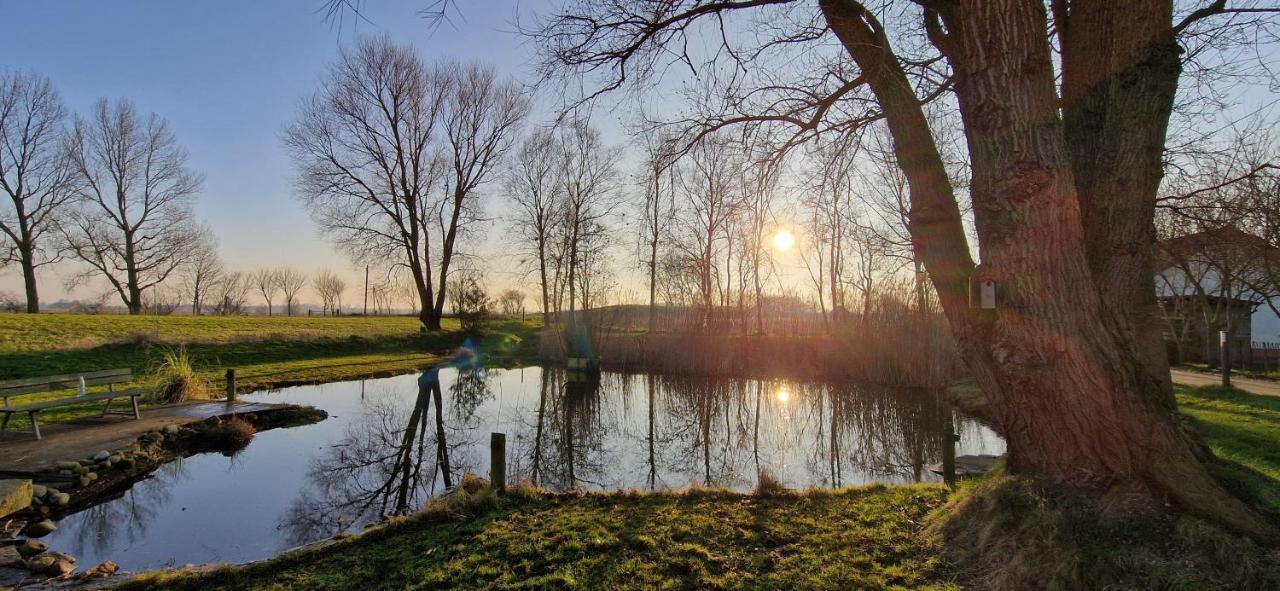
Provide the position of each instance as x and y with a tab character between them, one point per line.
985	290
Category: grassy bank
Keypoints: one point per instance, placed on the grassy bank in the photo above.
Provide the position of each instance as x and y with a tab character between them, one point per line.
860	538
265	351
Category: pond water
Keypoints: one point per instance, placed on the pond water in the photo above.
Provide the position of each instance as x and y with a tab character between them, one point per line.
390	444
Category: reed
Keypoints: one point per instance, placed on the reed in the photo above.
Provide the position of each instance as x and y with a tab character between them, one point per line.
890	343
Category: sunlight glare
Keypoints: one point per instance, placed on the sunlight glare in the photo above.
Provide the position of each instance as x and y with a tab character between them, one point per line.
783	395
783	240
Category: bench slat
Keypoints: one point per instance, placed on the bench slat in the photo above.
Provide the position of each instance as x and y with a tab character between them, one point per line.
64	382
74	377
47	404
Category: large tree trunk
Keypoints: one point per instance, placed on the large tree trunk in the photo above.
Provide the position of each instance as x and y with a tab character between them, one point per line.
27	255
1077	407
1120	68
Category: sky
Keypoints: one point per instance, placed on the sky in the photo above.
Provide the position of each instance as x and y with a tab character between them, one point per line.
228	76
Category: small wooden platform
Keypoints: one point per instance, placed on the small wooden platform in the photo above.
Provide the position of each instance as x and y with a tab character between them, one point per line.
21	454
969	466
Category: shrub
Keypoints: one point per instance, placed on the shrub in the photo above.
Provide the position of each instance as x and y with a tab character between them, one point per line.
177	380
229	436
769	486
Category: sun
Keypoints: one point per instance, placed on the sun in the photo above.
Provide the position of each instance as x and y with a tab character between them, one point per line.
783	395
783	241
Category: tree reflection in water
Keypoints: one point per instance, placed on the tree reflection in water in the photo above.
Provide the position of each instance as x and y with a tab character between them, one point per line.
712	431
390	461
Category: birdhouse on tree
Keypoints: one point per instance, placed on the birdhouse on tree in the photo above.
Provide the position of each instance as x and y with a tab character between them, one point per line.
985	290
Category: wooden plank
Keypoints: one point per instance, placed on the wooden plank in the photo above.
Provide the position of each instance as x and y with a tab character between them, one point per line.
65	377
71	401
65	381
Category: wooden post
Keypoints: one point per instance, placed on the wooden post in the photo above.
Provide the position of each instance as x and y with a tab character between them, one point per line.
949	452
498	461
231	385
1224	349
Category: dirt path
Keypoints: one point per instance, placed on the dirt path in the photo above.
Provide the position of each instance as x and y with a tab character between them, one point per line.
1195	378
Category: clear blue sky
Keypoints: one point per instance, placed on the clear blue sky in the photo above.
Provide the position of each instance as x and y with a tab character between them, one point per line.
228	75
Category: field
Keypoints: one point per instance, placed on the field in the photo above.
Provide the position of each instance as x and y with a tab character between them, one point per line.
266	352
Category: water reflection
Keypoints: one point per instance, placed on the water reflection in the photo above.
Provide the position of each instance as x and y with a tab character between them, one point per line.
391	444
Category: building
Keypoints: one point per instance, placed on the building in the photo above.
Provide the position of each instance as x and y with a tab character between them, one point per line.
1216	280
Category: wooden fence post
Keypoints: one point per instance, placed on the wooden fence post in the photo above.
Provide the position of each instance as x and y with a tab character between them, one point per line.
498	461
949	453
231	385
1224	348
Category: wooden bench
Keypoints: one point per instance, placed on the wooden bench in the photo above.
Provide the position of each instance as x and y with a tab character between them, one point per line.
108	378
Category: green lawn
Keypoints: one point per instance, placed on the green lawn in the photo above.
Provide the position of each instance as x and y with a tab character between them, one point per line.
1242	428
265	351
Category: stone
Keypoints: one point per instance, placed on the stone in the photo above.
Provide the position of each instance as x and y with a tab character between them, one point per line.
9	556
66	465
82	481
39	490
60	568
171	429
51	490
31	548
15	495
60	499
80	470
102	455
92	476
41	529
40	563
105	569
114	458
65	472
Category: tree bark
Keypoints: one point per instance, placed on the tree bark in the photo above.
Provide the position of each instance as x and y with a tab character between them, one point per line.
27	255
1078	408
1120	69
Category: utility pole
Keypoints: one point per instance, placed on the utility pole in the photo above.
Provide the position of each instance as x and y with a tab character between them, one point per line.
366	290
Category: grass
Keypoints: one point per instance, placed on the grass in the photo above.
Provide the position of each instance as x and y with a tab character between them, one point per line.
857	538
266	352
1243	429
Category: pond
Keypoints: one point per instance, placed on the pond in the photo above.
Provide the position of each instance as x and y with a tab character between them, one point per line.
390	444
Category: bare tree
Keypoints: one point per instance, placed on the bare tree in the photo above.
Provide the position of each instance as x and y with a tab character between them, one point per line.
230	294
133	225
374	170
709	183
329	286
588	169
482	115
34	172
291	283
532	184
1056	218
203	272
511	302
656	214
267	283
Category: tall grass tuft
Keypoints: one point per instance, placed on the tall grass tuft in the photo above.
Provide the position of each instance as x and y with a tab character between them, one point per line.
177	379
